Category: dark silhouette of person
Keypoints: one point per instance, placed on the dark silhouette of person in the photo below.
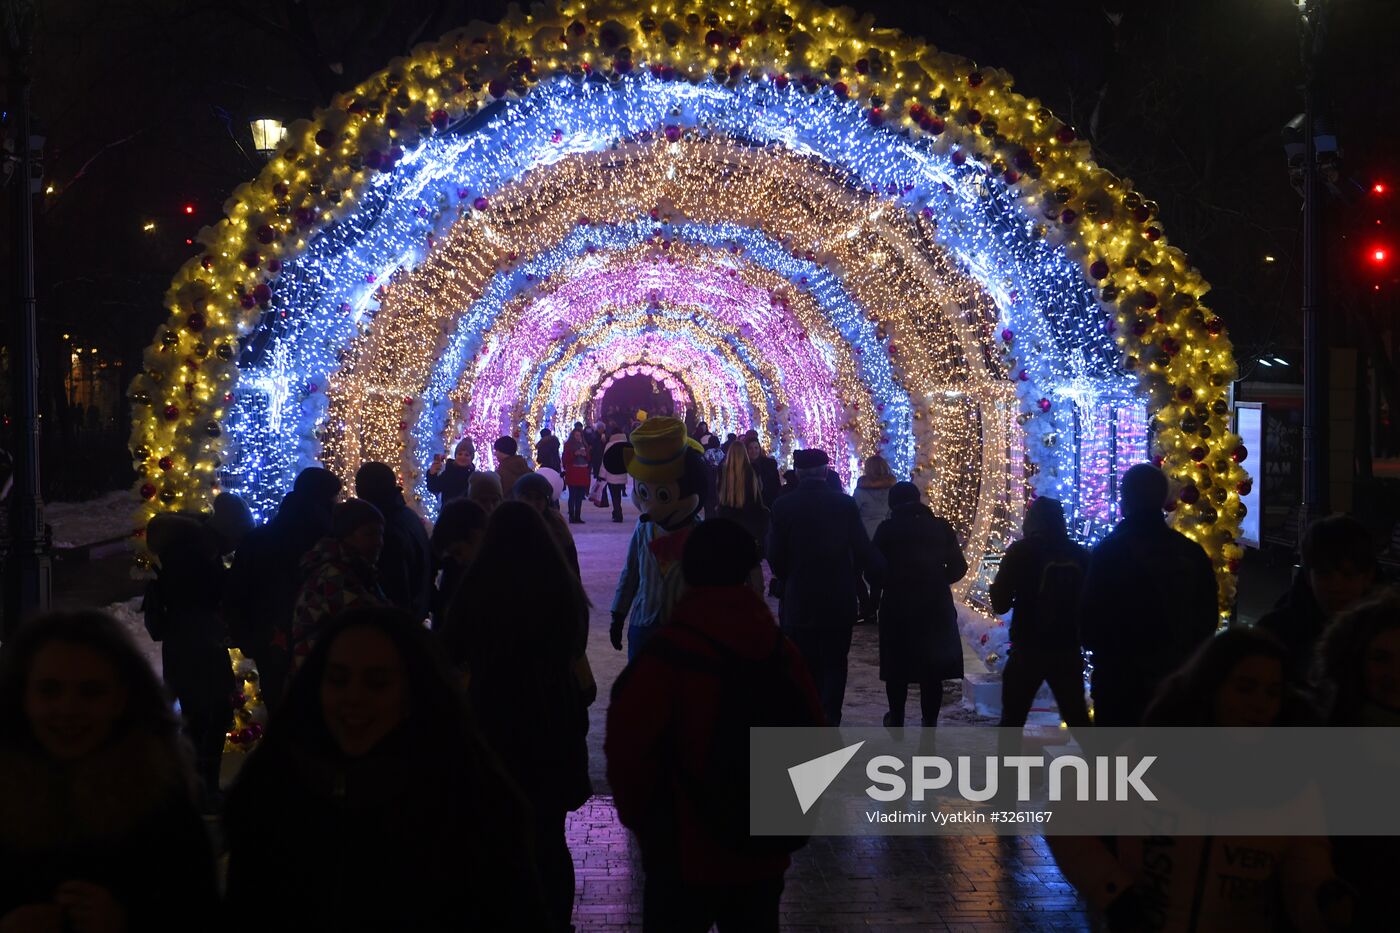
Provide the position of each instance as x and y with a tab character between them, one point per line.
448	479
672	720
510	465
1149	601
919	639
456	539
518	626
406	560
372	802
816	546
265	576
547	451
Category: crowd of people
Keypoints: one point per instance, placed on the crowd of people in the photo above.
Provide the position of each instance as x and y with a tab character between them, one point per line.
429	692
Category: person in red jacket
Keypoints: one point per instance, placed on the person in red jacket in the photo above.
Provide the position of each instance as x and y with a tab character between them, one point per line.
663	743
577	474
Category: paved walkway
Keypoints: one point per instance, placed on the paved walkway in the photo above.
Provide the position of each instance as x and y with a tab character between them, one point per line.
835	884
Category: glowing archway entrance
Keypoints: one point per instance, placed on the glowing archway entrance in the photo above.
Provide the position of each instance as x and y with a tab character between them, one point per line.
835	235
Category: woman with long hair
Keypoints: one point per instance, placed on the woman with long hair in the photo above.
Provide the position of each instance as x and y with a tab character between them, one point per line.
741	501
372	802
872	497
577	474
1240	679
98	825
518	627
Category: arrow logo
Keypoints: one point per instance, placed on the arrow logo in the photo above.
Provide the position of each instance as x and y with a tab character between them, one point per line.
811	778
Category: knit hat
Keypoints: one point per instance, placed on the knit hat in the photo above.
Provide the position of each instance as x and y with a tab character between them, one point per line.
810	459
903	494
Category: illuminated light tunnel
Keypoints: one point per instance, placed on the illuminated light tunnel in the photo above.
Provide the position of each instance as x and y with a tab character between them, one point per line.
835	235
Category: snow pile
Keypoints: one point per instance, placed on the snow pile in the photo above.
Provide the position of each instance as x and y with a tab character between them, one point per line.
129	615
78	523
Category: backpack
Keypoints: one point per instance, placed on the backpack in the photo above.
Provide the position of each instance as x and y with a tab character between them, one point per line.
1061	582
752	693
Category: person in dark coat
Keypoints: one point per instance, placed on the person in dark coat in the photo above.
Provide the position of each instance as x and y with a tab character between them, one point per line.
740	500
816	546
263	581
182	611
1149	601
406	559
665	710
919	640
372	803
535	491
547	451
1359	671
1337	573
98	825
765	468
456	540
338	574
510	466
1039	582
448	479
518	627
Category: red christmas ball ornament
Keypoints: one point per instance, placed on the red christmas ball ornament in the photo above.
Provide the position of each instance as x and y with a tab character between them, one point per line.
1198	454
1153	233
1068	216
714	37
576	28
974	79
1240	454
403	426
1245	487
1008	335
673	133
1099	269
279	190
172	412
863	66
481	203
438	119
934	126
1142	215
1064	135
1149	300
1190	495
840	90
325	139
497	88
1011	176
148	491
959	157
1044	404
195	322
262	293
781	82
1186	394
207	262
274	266
974	116
252	259
1215	327
1233	565
1023	376
247	302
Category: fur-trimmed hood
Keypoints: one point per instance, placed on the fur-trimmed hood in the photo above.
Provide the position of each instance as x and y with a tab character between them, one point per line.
48	805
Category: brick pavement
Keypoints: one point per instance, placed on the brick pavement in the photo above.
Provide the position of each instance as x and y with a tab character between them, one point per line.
954	883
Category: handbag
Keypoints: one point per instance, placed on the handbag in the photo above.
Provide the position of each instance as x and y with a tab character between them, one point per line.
599	495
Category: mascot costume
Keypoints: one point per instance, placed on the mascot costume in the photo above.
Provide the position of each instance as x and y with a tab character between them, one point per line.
668	485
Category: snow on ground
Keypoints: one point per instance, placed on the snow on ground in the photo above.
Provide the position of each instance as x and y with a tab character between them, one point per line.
78	523
129	615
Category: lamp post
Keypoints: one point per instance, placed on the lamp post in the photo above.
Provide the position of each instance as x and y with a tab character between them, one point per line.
1314	349
268	134
27	567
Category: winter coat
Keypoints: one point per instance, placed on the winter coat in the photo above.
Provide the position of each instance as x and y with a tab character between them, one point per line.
1017	589
262	585
547	453
618	479
754	519
1297	622
873	499
406	560
576	468
919	638
662	714
451	481
521	679
510	470
182	610
595	453
1149	600
413	836
333	580
122	818
816	546
766	468
559	530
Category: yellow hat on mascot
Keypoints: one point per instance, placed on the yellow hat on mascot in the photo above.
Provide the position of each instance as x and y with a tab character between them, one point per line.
658	450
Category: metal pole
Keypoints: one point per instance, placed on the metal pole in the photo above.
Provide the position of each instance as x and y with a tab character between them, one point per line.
27	571
1314	504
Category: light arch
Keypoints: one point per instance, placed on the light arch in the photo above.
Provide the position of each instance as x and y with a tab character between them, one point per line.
1092	304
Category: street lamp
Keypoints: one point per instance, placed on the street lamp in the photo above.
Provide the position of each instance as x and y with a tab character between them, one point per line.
1314	351
268	134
